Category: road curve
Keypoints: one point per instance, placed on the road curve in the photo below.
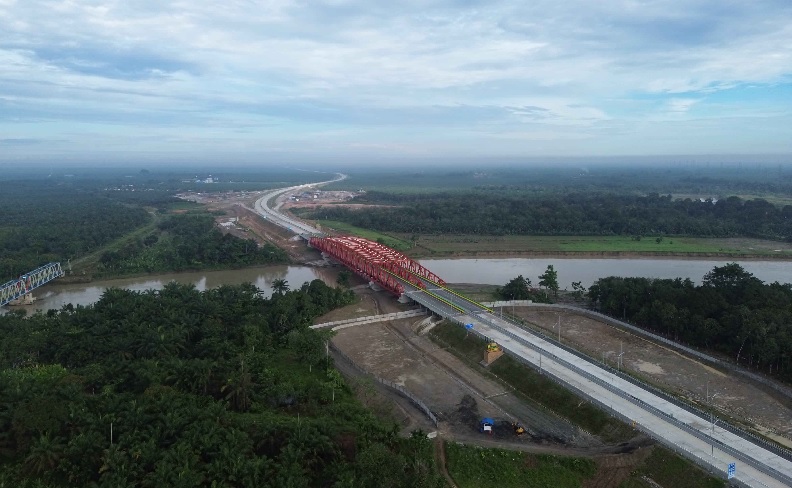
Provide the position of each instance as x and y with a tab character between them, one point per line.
262	207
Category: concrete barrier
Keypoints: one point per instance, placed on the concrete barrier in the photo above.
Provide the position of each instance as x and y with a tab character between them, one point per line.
342	324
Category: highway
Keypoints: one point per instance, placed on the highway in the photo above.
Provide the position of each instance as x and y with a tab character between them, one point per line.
694	437
681	430
262	207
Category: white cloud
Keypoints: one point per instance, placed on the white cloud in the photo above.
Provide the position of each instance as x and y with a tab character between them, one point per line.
681	105
260	64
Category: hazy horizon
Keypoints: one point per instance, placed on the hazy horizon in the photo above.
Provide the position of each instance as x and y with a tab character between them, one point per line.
349	82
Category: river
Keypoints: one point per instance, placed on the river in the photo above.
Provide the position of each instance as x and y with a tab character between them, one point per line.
56	295
587	271
484	271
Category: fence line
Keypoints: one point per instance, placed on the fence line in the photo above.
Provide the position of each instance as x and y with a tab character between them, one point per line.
389	384
785	390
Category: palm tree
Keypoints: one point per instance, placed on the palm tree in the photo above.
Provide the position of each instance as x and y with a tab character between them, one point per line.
238	388
44	455
280	286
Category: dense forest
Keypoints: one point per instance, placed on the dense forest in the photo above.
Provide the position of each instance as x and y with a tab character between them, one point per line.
61	216
43	222
571	214
731	312
586	176
187	241
185	388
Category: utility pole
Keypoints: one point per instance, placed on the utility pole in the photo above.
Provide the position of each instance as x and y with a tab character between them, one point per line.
712	420
559	328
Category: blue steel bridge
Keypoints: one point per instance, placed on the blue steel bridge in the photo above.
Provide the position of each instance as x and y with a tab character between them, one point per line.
19	288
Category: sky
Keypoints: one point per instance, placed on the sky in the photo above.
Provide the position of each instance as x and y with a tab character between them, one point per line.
364	80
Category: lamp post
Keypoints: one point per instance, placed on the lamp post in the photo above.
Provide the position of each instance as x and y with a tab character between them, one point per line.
712	420
558	324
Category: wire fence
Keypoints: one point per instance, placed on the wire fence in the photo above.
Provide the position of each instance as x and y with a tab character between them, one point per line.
389	384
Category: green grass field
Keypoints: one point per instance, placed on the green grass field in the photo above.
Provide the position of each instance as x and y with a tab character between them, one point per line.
534	387
183	205
666	468
344	228
461	244
474	467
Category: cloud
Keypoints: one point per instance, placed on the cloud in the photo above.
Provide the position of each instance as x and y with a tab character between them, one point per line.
290	72
681	105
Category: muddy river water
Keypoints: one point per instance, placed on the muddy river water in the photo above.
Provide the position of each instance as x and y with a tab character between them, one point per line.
484	271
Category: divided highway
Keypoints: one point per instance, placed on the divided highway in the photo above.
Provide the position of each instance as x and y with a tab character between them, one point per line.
691	435
262	207
687	433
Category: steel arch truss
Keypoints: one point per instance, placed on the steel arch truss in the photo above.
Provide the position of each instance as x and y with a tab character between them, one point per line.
375	262
27	282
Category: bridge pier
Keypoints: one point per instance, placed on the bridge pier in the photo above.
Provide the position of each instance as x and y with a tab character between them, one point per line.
26	299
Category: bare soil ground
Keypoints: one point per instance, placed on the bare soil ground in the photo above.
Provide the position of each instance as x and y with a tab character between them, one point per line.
458	395
736	396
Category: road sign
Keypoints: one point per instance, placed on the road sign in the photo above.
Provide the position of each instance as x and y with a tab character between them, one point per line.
732	470
468	326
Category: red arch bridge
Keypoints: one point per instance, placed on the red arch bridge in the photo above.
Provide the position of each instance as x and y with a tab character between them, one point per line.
683	428
375	262
18	288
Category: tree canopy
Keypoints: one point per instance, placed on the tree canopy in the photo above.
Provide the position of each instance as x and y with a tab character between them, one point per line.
43	222
493	213
187	241
185	388
731	312
549	279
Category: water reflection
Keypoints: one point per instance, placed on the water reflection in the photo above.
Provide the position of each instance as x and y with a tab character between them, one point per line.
56	295
485	271
587	271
